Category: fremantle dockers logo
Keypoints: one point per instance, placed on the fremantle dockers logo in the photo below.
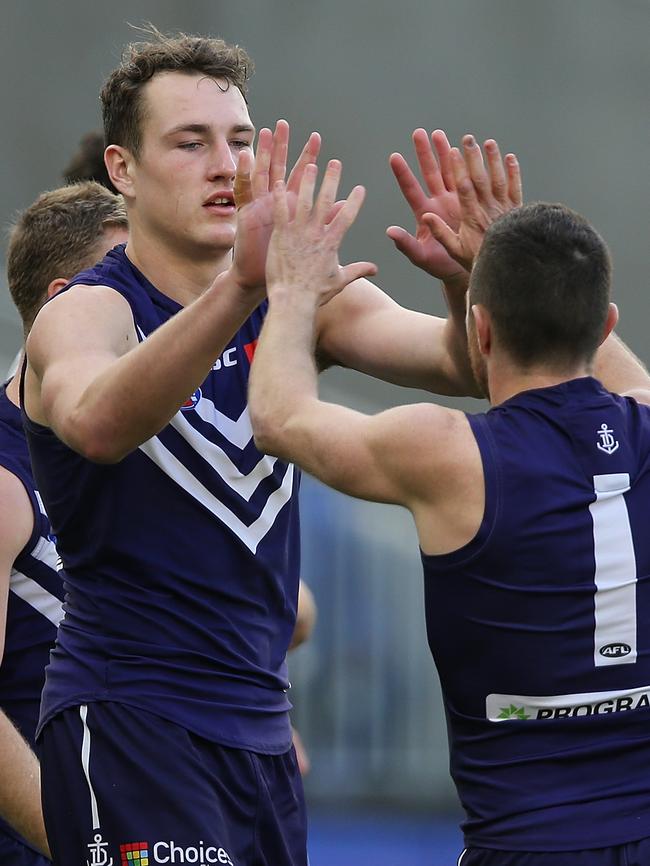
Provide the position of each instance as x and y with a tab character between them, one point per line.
607	442
192	401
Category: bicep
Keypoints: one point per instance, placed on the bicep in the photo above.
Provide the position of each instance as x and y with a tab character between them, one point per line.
382	458
74	338
364	329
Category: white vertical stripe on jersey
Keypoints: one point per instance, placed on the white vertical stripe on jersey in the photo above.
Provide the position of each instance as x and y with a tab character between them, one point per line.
40	599
85	763
178	472
616	578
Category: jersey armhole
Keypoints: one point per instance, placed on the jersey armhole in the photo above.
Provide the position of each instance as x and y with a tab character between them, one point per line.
480	428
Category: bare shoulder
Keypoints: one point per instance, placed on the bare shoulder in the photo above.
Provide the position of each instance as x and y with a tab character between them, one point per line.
430	445
84	315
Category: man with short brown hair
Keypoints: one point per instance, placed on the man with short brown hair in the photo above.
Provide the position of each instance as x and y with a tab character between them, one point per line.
165	709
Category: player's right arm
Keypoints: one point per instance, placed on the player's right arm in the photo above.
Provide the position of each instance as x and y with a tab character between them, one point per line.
104	393
20	792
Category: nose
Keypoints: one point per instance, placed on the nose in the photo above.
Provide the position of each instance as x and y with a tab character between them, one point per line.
222	164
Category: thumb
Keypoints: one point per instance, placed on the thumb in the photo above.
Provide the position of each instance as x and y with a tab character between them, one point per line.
355	271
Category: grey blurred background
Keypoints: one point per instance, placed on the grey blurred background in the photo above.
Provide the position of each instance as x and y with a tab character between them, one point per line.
563	84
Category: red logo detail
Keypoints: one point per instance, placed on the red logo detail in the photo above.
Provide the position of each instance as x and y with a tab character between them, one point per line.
249	348
135	854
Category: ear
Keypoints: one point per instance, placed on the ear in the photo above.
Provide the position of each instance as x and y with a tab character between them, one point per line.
483	326
610	322
119	164
56	286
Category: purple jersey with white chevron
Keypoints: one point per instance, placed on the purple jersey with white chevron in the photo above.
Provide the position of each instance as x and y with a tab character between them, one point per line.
540	626
35	601
181	561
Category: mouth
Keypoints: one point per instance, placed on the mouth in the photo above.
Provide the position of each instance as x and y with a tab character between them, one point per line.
224	204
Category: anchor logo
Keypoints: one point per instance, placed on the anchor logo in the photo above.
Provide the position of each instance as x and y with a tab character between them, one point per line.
98	853
607	442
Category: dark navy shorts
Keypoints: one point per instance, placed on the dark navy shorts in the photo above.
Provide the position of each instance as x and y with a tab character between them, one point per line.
630	854
128	788
14	853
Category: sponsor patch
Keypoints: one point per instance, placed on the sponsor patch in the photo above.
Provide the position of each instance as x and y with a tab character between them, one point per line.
499	708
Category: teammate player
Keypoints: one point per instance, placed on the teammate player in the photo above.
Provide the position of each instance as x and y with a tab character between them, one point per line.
164	723
63	231
531	518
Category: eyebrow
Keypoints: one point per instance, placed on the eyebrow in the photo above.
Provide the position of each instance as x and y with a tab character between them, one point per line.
204	128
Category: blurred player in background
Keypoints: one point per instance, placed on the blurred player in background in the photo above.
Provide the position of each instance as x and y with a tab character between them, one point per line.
63	231
532	517
179	538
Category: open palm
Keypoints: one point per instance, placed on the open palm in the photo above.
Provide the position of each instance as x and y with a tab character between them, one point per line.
422	248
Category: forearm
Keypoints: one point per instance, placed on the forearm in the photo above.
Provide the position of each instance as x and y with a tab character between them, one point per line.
137	394
20	786
618	368
461	377
283	377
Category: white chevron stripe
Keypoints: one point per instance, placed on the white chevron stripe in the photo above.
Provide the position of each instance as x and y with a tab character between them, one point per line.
250	535
40	599
244	485
237	432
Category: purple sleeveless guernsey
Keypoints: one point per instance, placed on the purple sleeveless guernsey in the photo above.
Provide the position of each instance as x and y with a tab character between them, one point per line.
181	561
35	602
540	626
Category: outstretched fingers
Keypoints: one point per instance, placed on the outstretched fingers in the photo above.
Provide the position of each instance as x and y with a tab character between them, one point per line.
280	206
279	153
465	185
308	156
305	200
428	162
327	193
443	152
243	187
262	168
347	215
407	182
496	171
475	167
515	191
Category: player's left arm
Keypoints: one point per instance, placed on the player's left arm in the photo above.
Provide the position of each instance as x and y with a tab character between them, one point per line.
366	456
364	329
620	370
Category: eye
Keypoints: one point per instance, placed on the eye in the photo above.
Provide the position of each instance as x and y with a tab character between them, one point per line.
239	144
190	145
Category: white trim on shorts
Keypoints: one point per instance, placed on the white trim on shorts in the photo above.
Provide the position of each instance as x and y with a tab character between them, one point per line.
85	763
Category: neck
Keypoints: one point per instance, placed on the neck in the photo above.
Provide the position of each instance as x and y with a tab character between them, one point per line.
172	272
504	383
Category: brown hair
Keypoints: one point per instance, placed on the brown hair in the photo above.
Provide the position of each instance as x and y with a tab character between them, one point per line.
87	162
121	96
57	236
544	273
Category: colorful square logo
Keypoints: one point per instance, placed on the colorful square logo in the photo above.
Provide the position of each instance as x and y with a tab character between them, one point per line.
135	854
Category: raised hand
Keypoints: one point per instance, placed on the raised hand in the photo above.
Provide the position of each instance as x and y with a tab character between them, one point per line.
254	182
303	253
483	195
422	248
